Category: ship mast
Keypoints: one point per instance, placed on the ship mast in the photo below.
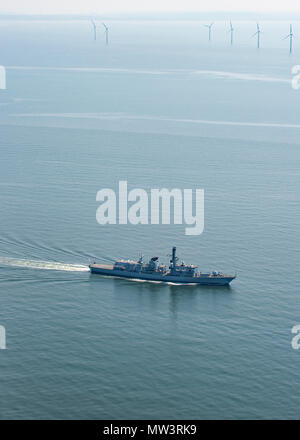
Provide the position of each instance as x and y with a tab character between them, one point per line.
173	260
174	257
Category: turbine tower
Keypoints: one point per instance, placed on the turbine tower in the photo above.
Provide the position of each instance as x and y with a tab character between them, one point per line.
290	36
95	29
258	32
106	33
209	26
231	33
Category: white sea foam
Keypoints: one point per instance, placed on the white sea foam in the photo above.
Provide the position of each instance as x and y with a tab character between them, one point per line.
26	99
216	74
125	116
95	70
241	76
138	280
169	283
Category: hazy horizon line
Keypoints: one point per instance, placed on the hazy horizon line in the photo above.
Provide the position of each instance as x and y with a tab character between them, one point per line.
166	15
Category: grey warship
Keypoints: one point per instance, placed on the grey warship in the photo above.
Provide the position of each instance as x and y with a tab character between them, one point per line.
177	273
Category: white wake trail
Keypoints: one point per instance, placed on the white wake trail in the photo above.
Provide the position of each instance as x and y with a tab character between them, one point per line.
45	265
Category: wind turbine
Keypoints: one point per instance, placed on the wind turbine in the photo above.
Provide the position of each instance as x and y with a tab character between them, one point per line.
106	33
209	26
258	32
95	29
290	36
231	33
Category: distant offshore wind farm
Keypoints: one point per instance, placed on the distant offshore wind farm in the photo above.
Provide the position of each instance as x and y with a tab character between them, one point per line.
209	26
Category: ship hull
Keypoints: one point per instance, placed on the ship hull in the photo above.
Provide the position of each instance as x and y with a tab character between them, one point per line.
203	280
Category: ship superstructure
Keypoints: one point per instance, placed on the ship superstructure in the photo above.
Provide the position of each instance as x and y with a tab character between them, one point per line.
154	271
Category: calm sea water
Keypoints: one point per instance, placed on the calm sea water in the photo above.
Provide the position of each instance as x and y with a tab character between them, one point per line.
159	107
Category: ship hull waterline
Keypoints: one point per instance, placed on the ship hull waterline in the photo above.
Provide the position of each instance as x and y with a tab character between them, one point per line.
203	280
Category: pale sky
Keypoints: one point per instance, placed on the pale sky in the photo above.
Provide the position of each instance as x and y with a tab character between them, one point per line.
99	6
